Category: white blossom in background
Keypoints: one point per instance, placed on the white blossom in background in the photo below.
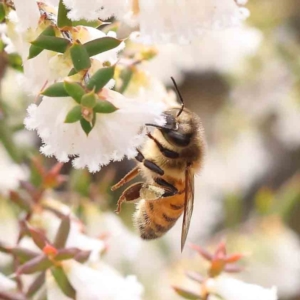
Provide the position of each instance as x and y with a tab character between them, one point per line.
228	288
164	21
10	172
114	135
9	229
275	256
183	21
101	282
223	51
7	284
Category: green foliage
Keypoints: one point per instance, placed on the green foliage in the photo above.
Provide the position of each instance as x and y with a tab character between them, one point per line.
101	78
74	114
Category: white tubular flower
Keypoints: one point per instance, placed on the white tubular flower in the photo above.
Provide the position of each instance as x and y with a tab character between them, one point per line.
104	283
181	21
233	289
6	284
114	135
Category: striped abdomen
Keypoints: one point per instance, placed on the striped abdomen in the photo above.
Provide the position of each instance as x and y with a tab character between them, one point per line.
155	218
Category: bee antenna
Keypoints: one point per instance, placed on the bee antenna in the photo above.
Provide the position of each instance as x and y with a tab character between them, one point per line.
179	95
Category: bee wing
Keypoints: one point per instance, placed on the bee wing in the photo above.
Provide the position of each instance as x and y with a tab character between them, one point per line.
188	205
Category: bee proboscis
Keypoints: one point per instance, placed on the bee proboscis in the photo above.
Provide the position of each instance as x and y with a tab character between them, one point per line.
168	161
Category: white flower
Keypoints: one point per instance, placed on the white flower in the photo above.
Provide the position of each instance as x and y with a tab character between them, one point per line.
28	13
6	284
92	10
10	172
181	21
275	256
114	135
233	289
163	21
102	284
221	51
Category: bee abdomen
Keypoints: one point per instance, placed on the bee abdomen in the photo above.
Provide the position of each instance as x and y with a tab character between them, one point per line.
154	220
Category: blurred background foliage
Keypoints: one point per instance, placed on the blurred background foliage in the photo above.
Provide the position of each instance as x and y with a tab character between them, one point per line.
249	190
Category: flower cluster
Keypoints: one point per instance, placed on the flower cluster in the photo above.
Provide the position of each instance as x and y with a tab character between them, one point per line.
219	286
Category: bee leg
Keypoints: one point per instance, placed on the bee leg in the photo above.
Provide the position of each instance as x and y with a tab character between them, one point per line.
171	190
149	164
131	194
129	176
166	152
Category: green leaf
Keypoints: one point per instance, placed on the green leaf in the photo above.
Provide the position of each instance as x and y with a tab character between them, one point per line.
52	43
89	100
125	76
37	264
15	61
64	254
2	12
73	115
101	78
23	254
55	90
62	16
104	107
35	50
36	285
63	282
186	294
72	72
80	57
100	45
75	90
62	233
86	126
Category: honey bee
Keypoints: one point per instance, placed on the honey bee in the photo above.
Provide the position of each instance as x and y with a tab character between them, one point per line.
168	161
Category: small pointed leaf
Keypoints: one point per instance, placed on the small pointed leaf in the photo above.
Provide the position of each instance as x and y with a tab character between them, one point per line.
22	202
62	16
101	78
86	126
80	57
55	90
72	72
37	264
36	285
74	114
38	237
100	45
83	256
23	254
89	100
52	43
63	282
35	50
68	253
62	233
186	294
104	107
2	12
125	76
74	89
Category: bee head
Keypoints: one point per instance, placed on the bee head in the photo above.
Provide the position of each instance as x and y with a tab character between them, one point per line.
178	129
